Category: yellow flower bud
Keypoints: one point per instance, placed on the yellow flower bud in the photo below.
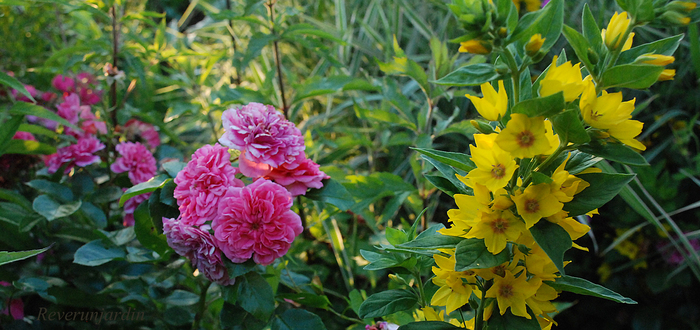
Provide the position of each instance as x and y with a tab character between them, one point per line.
674	17
534	45
667	74
681	6
655	59
617	27
628	43
475	46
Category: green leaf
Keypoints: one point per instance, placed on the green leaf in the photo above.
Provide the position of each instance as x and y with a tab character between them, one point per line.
635	76
57	190
584	287
13	83
383	116
580	45
106	195
471	253
429	325
579	161
234	317
158	211
454	159
603	187
615	152
548	22
443	184
28	147
144	188
542	106
591	31
297	319
181	298
97	253
378	261
174	167
16	198
316	86
7	257
508	321
553	240
293	31
51	209
387	302
94	214
332	193
431	239
395	236
9	128
569	127
255	296
666	46
24	108
307	299
146	231
470	75
448	173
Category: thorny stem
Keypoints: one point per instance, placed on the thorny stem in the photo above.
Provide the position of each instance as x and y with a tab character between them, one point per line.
201	306
285	107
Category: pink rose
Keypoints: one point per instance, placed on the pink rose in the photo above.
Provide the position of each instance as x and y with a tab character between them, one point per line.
256	221
63	83
197	244
135	159
142	132
263	133
298	176
80	154
203	182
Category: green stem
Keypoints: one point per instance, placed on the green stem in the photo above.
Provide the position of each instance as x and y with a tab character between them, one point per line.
278	64
202	305
421	289
479	321
546	162
515	72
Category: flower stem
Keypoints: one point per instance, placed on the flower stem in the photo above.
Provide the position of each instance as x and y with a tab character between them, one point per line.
202	305
278	64
479	321
515	72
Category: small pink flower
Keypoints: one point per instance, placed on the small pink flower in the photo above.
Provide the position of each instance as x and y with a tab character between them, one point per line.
80	154
142	132
203	182
85	87
21	97
197	244
135	159
48	96
24	136
130	207
70	109
297	177
63	83
256	221
263	133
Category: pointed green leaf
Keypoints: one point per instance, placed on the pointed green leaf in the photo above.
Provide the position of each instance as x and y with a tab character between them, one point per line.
144	188
28	109
470	75
569	127
471	253
97	253
387	302
7	257
51	209
615	152
297	319
553	239
11	82
547	106
255	296
635	76
585	287
454	159
333	193
603	187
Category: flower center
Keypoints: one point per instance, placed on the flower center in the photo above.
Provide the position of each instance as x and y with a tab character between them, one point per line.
499	226
499	270
498	171
526	139
532	206
506	291
255	225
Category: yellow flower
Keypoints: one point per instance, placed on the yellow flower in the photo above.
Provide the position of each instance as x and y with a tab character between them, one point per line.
510	291
534	44
564	185
605	111
494	167
536	261
628	43
432	315
565	78
541	302
524	137
535	203
493	105
617	27
475	46
551	137
497	228
464	217
655	59
667	74
681	6
530	5
453	293
626	131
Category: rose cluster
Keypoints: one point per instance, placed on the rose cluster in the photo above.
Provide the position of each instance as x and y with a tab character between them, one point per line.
220	213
